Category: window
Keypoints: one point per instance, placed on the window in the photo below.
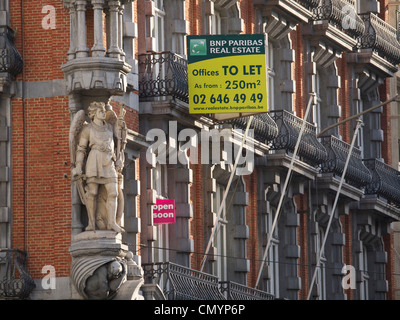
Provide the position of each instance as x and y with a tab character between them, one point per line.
271	76
220	264
159	25
215	23
321	272
316	109
360	135
161	252
273	254
364	273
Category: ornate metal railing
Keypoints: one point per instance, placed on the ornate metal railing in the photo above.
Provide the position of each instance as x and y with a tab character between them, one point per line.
163	74
182	283
309	4
236	291
310	149
10	59
265	129
380	37
357	173
385	181
15	280
341	13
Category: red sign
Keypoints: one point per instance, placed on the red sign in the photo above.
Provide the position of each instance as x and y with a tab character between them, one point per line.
164	211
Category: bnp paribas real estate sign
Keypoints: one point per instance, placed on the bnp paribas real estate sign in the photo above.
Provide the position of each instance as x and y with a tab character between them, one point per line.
227	74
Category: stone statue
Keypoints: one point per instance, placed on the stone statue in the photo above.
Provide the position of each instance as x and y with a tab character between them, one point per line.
97	159
106	280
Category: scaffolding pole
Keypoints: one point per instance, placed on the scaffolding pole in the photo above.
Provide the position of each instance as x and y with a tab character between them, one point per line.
216	221
283	191
359	123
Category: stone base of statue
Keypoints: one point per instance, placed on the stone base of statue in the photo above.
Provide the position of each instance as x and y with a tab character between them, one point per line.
102	266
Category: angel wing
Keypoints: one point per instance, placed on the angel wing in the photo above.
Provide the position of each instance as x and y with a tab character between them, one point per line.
77	123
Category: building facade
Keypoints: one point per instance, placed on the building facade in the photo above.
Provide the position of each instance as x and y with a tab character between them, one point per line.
60	55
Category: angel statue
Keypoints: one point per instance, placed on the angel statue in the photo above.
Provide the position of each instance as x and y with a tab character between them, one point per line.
97	159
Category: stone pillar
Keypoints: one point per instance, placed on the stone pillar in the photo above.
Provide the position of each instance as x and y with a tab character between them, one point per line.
73	33
179	180
120	31
98	49
82	50
131	219
5	174
113	49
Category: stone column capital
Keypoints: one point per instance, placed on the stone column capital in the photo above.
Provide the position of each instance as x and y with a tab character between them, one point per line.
98	2
114	4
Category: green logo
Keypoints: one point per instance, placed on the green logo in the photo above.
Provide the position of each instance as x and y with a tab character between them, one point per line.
198	47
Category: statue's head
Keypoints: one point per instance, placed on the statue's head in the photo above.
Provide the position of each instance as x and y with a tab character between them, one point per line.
94	109
114	269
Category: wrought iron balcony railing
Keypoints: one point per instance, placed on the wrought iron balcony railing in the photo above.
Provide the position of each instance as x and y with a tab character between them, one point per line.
310	149
163	74
236	291
309	4
341	13
182	283
15	280
265	129
10	59
380	37
385	181
357	173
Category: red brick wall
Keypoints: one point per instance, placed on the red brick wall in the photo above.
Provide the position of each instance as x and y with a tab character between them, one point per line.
299	72
251	220
195	14
41	178
198	222
42	206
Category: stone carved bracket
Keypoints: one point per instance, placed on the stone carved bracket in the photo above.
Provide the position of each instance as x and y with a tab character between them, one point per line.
98	74
96	256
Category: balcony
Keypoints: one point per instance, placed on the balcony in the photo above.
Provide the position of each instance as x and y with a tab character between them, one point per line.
265	129
282	16
182	283
15	281
342	14
11	62
236	291
380	37
357	173
385	182
163	74
10	59
289	126
100	71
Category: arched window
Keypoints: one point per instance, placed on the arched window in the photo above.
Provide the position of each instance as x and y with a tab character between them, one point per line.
215	22
273	254
220	265
321	272
364	273
159	25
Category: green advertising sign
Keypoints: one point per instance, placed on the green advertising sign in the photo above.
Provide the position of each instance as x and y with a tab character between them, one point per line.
227	73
